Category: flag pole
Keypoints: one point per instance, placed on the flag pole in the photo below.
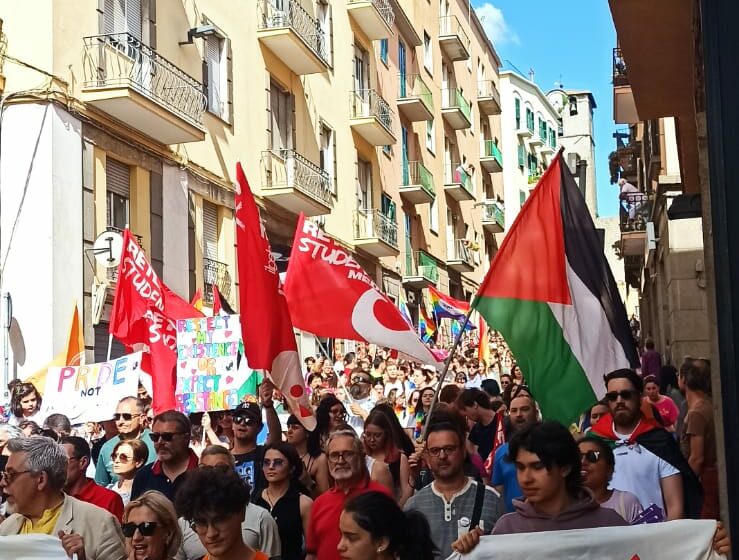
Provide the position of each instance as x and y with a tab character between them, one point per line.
444	373
110	347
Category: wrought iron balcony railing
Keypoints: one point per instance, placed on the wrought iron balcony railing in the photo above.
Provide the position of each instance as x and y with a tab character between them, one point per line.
287	168
368	103
120	60
416	173
634	212
277	14
384	8
411	85
369	224
215	273
620	75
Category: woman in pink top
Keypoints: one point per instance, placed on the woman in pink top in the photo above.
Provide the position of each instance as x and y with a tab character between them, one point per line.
665	405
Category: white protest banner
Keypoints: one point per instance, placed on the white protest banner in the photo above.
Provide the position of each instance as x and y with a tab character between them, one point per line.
32	547
208	373
688	539
91	393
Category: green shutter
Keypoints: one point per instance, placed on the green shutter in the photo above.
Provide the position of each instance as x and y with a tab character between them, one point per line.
518	112
521	156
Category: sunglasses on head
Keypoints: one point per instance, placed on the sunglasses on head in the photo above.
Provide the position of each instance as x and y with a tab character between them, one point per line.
146	529
626	394
127	416
591	456
164	436
244	420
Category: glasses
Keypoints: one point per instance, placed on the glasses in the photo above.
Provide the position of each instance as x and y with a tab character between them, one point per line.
340	413
146	528
125	416
447	449
359	379
244	420
590	456
373	435
336	456
9	476
626	394
122	457
276	463
201	525
164	436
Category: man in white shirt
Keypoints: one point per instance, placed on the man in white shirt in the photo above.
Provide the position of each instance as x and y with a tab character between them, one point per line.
394	380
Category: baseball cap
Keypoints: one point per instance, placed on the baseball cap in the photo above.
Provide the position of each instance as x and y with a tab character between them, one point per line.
250	410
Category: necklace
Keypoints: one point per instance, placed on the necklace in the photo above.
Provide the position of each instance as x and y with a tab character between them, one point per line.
270	500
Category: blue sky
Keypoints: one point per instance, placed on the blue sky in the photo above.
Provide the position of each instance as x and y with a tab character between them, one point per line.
567	41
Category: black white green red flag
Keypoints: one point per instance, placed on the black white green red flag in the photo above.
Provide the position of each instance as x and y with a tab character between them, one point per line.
551	295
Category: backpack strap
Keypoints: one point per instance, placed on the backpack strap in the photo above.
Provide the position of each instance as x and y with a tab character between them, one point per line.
479	499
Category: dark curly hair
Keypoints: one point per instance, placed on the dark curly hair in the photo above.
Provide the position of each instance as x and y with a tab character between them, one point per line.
210	491
21	391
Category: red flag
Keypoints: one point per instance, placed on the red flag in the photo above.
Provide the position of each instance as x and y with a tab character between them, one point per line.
216	301
330	295
144	311
266	329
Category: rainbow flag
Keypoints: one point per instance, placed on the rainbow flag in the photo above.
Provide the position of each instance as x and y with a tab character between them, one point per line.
404	311
426	325
446	307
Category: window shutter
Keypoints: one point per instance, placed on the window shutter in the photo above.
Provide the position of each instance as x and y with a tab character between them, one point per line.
210	230
118	177
213	59
109	9
134	18
517	103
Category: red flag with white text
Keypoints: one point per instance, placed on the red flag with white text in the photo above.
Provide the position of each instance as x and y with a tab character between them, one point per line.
266	329
144	312
330	295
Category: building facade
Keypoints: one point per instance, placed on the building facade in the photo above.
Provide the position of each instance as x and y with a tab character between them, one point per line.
378	120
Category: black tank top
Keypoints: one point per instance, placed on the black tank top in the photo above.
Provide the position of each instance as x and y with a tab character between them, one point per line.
286	513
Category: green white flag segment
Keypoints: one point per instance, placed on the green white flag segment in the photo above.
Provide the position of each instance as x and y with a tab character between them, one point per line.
551	295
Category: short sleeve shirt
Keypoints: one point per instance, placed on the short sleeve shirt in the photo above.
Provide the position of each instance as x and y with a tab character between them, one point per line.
699	422
504	474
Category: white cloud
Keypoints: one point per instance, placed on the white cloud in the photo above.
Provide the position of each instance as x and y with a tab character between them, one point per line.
495	25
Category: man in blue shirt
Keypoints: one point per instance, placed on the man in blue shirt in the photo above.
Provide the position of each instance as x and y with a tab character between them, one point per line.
521	413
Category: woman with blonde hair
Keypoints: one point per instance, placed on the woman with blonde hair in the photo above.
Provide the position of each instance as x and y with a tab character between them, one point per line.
150	527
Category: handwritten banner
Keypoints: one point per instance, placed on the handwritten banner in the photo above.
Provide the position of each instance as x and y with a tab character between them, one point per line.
91	393
208	372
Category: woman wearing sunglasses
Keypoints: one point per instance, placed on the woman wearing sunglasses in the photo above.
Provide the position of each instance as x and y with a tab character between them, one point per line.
150	527
286	498
597	468
128	457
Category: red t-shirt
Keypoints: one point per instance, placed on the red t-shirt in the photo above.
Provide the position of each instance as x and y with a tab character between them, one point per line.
323	530
94	494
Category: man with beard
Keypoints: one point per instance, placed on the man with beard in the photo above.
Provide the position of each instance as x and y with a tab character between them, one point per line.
648	459
361	403
171	436
522	415
453	503
346	464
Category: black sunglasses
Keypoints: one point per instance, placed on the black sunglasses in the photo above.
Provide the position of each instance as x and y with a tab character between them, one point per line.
626	394
164	436
146	529
244	420
591	456
124	416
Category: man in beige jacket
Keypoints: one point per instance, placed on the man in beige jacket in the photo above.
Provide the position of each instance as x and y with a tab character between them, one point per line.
33	483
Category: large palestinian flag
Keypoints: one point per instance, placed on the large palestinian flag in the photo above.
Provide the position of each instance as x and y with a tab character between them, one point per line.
551	295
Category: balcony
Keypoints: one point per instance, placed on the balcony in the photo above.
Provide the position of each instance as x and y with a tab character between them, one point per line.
488	98
420	270
453	40
459	256
375	233
292	182
374	17
415	100
455	109
293	35
524	131
634	213
491	160
417	183
132	83
215	274
493	216
458	182
371	117
624	107
536	140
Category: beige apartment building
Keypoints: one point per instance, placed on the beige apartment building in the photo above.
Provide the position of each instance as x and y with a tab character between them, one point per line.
377	118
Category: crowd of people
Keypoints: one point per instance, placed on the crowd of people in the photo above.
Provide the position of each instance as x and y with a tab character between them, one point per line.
399	465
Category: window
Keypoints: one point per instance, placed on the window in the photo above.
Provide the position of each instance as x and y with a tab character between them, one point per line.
428	61
521	197
387	149
383	51
361	68
280	118
542	130
328	155
529	119
517	103
118	193
552	138
430	137
123	16
388	207
521	156
217	73
210	231
364	185
324	22
434	216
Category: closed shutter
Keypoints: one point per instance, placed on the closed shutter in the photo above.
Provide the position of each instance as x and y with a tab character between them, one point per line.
109	15
123	16
134	17
118	177
213	59
210	231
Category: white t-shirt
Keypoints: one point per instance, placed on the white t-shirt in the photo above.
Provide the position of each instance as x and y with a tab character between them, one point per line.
357	422
474	382
397	385
640	472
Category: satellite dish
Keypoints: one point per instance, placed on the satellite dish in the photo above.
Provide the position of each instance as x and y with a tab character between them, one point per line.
107	248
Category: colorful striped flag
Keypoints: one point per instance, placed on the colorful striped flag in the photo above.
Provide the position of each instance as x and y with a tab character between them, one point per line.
446	307
426	325
404	311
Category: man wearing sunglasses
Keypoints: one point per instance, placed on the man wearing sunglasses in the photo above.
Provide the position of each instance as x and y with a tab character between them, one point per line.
362	402
171	436
648	459
129	420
